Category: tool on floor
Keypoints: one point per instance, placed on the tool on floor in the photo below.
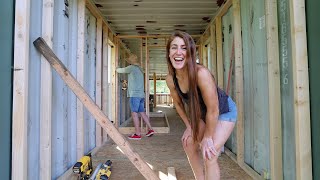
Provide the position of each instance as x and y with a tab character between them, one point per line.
83	167
104	171
94	174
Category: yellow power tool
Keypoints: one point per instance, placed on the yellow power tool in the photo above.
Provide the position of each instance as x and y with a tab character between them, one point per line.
83	167
104	171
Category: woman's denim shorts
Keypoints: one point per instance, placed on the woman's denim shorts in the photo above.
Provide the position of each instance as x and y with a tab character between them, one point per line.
230	116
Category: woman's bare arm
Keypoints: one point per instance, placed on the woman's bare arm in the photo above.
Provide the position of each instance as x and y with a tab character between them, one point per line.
177	101
208	90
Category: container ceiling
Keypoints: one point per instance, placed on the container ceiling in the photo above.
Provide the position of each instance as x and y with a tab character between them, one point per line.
156	17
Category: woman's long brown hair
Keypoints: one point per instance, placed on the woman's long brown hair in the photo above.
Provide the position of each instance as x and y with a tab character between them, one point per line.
194	107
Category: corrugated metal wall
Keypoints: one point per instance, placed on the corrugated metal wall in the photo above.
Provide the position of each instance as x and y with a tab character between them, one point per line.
256	111
64	114
313	36
287	96
6	63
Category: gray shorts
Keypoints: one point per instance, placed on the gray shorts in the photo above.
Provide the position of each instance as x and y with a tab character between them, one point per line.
230	116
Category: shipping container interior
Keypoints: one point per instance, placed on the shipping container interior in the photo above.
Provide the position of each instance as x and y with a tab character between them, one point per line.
63	110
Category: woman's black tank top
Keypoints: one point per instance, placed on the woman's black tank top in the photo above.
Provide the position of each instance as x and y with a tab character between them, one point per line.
222	98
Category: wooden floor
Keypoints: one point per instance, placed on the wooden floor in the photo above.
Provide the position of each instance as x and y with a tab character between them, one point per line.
160	152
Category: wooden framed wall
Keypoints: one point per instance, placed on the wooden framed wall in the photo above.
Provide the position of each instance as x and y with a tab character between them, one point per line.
46	94
20	91
301	89
276	167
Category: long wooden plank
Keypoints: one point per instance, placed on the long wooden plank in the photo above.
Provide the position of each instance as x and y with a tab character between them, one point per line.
219	52
238	79
99	78
20	91
274	90
301	89
46	94
213	50
105	76
96	112
80	77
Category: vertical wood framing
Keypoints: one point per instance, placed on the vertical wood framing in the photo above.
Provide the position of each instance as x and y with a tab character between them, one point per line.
301	89
274	90
46	94
213	50
219	52
105	76
115	99
80	76
200	50
147	89
238	79
99	77
96	112
155	90
20	91
141	62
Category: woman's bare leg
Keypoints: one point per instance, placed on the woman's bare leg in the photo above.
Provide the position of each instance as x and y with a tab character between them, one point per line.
193	153
221	135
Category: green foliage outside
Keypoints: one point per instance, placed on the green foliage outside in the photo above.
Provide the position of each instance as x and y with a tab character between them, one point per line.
161	87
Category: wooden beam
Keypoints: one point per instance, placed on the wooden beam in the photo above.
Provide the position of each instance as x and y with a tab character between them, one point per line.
96	112
46	93
151	36
155	90
97	13
238	79
147	89
99	77
274	90
105	76
19	169
219	52
213	50
301	89
171	173
80	77
115	93
223	9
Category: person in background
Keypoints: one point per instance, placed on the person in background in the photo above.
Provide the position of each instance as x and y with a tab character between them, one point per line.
211	112
136	95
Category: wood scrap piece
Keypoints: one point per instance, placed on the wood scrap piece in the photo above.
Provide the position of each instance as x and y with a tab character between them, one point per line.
171	173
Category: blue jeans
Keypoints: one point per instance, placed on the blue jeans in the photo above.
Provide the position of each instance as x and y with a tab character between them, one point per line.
230	116
137	104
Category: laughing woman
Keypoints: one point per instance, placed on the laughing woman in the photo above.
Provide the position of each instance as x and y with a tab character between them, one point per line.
212	113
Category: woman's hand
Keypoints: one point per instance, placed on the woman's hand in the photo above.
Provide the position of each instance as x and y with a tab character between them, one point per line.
187	134
207	148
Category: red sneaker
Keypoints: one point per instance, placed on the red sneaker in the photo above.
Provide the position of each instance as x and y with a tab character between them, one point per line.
150	133
135	137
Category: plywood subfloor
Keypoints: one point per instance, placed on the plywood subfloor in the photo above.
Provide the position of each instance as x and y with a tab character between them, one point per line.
161	151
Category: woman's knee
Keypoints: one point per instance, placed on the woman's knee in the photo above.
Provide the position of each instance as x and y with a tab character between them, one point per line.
211	162
190	145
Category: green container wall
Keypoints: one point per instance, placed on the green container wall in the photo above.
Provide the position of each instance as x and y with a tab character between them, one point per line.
6	62
313	37
287	99
255	72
